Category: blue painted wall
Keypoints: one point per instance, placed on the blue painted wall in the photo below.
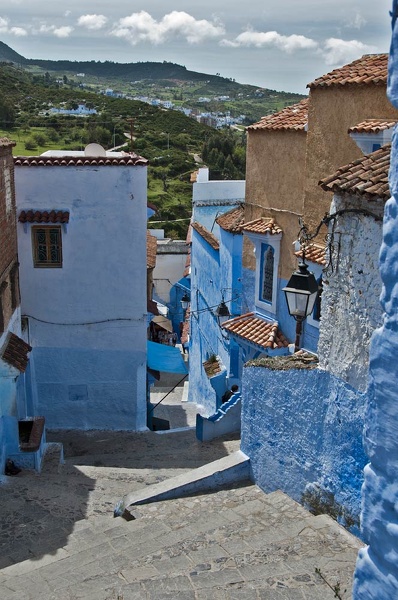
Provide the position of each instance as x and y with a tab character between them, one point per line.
176	312
213	271
287	324
376	575
302	430
87	389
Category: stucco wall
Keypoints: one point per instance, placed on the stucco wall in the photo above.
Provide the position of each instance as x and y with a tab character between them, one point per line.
376	574
302	430
351	308
274	184
213	273
332	110
88	318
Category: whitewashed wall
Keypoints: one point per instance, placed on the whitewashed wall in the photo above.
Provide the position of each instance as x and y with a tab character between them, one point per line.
88	319
350	302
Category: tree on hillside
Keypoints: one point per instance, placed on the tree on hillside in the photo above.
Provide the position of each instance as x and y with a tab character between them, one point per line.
7	113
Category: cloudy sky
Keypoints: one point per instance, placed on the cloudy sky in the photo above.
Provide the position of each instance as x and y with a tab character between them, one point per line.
279	45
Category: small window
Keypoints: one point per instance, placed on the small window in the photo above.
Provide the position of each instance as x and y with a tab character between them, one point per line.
268	274
375	147
47	246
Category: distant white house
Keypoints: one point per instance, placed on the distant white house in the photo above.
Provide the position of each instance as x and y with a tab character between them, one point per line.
82	252
81	110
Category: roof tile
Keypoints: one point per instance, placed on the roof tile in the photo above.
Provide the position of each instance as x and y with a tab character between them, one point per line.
314	253
151	248
232	220
257	331
372	126
262	225
185	327
367	176
84	161
15	352
6	143
371	68
44	216
206	235
292	117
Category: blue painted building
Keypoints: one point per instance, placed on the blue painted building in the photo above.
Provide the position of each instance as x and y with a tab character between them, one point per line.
376	575
302	427
216	250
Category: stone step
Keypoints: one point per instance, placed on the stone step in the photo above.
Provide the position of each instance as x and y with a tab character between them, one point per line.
236	541
224	471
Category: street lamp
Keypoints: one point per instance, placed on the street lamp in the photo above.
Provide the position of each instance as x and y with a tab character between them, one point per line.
301	293
185	301
222	313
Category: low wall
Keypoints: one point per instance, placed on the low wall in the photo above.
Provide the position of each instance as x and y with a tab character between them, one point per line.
302	429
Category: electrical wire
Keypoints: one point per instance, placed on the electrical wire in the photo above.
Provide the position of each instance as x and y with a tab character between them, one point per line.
85	323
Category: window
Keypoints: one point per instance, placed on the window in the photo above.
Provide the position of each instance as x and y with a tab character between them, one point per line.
267	273
47	246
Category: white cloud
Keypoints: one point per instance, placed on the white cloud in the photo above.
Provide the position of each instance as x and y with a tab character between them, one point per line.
59	32
62	32
339	52
92	21
357	22
3	25
18	31
262	39
67	13
142	27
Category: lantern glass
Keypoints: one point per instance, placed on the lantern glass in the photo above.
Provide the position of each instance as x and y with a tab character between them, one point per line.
301	293
222	313
185	301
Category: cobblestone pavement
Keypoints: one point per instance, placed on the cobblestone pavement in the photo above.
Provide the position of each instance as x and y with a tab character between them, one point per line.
59	540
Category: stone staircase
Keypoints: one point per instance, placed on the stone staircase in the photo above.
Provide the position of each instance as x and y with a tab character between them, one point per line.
236	543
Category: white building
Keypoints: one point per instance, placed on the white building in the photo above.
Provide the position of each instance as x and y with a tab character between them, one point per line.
82	253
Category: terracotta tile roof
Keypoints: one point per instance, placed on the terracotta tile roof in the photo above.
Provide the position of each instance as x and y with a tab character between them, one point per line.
152	206
257	331
371	68
80	161
6	143
366	176
372	126
292	117
15	352
232	220
262	225
44	216
206	235
314	253
151	247
185	329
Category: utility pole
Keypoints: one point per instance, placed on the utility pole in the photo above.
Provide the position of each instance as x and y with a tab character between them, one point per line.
131	123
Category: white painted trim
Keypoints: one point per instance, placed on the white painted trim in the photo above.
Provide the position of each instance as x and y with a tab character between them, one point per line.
275	242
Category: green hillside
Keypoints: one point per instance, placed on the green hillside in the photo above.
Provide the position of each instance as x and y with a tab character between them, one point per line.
32	91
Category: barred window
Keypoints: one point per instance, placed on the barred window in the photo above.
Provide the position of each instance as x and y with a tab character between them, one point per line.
47	246
268	273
